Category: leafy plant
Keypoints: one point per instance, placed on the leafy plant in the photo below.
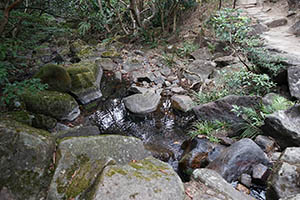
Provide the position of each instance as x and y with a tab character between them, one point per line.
186	49
208	129
254	117
13	91
246	82
211	95
236	83
169	59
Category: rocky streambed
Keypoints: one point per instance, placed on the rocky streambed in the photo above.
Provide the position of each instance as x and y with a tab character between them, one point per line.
115	123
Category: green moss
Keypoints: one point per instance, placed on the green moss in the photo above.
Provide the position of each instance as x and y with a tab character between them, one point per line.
86	51
110	54
19	116
76	179
115	170
50	103
55	76
83	75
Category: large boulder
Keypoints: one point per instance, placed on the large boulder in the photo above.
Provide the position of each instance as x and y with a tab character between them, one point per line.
55	104
293	80
222	109
199	70
147	179
25	160
55	76
238	159
142	103
285	181
207	184
81	159
86	78
284	127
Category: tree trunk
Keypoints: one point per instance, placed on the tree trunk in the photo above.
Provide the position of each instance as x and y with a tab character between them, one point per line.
6	14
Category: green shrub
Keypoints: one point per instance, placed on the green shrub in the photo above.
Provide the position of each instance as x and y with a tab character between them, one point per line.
208	128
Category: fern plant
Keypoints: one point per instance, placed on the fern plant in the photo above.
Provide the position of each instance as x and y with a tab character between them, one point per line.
254	117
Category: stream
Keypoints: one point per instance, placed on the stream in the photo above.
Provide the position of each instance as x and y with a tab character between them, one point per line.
163	132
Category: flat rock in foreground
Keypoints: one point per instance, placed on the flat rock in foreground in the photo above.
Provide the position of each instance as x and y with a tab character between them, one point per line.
147	179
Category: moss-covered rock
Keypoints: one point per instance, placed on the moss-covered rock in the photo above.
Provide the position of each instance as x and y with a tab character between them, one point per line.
61	106
44	122
55	76
81	159
110	54
21	116
86	77
31	119
146	179
25	159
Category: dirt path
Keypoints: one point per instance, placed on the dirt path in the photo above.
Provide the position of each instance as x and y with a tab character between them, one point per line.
277	38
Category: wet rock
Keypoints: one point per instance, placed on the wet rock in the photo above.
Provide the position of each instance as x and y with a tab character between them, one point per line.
106	64
221	109
160	152
295	29
246	180
195	155
147	179
25	159
55	104
182	102
222	189
284	181
202	54
265	143
293	80
55	76
86	77
78	131
237	159
273	23
81	159
283	126
260	174
199	70
142	103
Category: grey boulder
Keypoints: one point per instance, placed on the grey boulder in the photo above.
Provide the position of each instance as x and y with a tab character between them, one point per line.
238	159
284	126
81	159
284	182
142	103
25	159
146	179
